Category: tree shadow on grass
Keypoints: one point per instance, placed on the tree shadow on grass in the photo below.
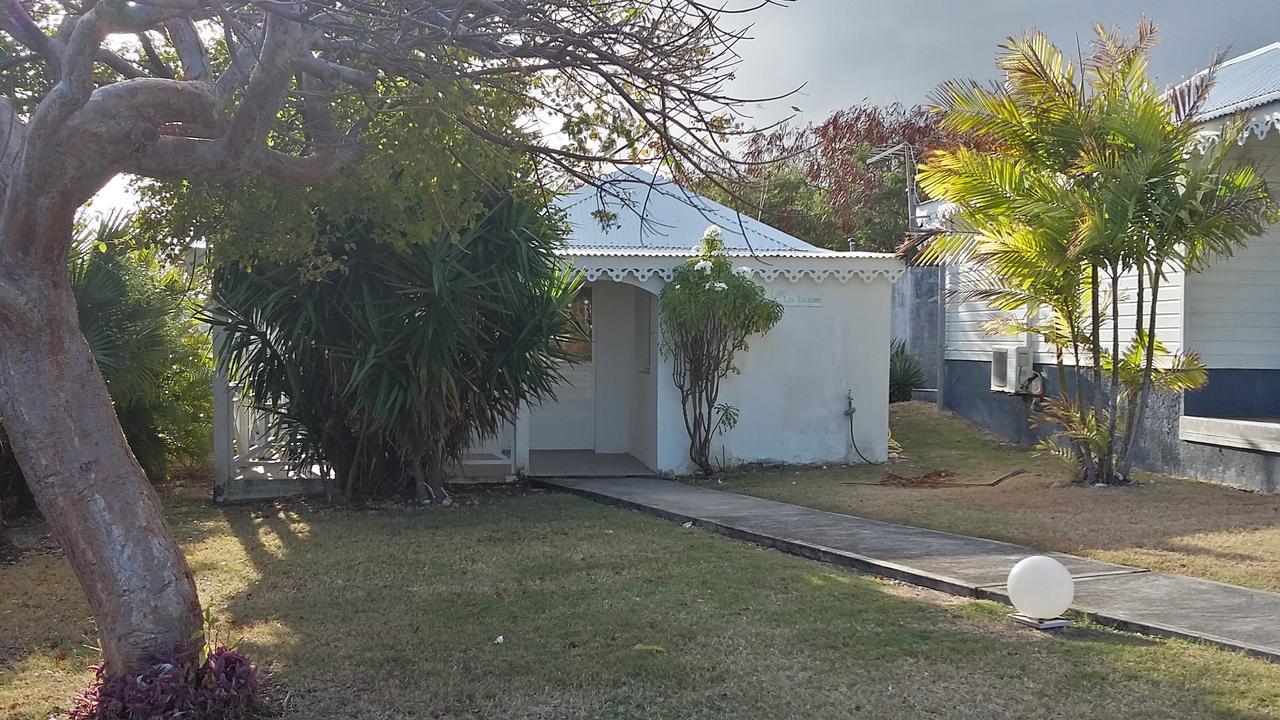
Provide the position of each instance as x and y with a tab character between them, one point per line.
43	610
607	613
611	614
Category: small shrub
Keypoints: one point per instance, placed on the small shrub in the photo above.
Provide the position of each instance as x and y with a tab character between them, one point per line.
905	373
223	687
708	311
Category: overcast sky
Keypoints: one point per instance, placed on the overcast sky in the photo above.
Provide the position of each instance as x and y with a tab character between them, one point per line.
845	51
887	51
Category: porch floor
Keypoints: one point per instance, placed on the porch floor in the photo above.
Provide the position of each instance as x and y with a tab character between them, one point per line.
584	464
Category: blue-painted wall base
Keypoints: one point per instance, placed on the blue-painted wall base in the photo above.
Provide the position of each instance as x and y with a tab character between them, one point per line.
1236	393
968	395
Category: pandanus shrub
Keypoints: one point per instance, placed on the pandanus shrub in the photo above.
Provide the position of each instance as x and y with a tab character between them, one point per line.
905	373
383	371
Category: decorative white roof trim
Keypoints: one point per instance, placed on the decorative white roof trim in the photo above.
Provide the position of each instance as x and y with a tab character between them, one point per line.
843	274
659	252
1259	125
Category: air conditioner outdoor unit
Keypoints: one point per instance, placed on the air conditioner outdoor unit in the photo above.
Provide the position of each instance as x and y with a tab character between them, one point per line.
1011	369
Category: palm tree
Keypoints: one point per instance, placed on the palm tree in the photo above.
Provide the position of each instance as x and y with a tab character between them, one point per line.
1091	180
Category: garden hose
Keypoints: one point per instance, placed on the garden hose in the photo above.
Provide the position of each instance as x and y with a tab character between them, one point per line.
849	412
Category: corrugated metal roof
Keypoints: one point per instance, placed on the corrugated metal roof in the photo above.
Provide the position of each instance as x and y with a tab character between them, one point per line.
656	217
1245	82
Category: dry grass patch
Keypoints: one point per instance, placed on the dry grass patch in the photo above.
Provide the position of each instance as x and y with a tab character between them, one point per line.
604	613
1179	526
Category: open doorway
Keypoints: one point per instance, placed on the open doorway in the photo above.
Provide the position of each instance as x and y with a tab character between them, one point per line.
603	420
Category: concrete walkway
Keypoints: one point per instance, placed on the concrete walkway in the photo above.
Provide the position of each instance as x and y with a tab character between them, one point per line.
1125	597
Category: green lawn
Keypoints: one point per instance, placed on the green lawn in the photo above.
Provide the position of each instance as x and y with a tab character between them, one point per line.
1179	526
605	613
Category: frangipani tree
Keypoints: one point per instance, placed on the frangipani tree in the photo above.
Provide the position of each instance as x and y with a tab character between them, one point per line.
1090	180
233	91
708	311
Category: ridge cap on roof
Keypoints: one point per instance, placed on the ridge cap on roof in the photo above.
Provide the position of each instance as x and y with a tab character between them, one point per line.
716	213
1250	55
1241	89
1231	61
608	251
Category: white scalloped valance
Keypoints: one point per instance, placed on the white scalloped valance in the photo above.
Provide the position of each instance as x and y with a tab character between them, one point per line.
1258	126
642	273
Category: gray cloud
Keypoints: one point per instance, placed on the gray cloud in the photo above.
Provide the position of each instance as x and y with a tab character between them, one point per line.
845	51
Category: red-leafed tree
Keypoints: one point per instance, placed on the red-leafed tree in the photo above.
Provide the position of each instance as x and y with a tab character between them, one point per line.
246	90
816	183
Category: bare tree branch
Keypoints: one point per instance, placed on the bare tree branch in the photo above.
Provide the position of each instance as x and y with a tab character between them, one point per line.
18	60
77	57
191	52
153	58
656	66
136	110
181	158
308	169
122	66
17	22
283	43
333	74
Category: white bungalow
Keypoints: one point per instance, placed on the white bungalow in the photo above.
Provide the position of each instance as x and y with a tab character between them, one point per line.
796	381
1229	431
619	413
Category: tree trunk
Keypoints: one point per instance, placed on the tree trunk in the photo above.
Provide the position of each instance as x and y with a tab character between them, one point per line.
433	479
1108	474
421	492
1148	368
65	434
1095	356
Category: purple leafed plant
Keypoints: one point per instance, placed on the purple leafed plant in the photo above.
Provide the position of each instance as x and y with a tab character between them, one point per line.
223	687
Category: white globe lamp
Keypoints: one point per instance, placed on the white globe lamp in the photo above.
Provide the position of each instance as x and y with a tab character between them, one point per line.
1041	589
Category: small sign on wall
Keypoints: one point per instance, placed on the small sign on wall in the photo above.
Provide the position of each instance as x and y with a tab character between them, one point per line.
809	298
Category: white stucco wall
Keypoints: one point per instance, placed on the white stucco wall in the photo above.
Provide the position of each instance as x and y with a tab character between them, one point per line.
791	393
644	378
612	314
